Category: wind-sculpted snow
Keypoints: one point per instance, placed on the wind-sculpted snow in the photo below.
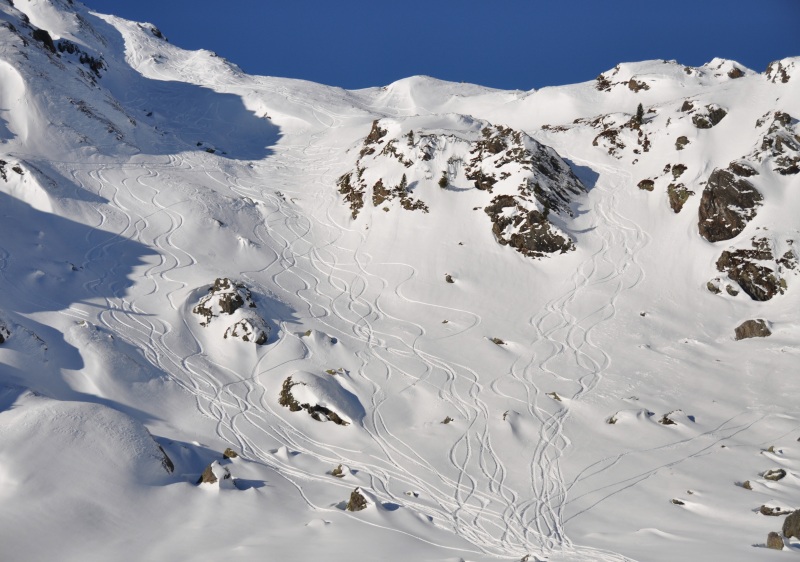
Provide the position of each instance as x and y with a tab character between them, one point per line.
591	406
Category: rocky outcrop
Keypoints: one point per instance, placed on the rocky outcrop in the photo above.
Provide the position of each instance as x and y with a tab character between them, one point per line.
229	454
709	116
528	232
752	329
775	474
5	333
791	525
316	411
166	462
213	473
396	160
756	270
780	143
728	203
774	541
678	195
234	302
357	501
778	71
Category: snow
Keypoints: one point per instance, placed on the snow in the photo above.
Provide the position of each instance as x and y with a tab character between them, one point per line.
173	168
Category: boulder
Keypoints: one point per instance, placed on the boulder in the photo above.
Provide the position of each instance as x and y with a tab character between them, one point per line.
214	473
752	329
229	454
774	541
357	501
791	525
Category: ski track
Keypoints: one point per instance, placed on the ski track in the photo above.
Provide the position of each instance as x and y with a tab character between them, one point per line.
338	289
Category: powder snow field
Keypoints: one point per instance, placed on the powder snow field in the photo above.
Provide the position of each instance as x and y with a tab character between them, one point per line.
135	174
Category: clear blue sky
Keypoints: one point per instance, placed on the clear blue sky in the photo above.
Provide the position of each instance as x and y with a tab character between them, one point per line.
510	44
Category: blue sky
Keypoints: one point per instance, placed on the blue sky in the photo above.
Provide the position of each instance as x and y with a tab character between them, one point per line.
510	44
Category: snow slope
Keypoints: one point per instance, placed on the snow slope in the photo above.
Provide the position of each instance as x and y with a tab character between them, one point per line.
587	403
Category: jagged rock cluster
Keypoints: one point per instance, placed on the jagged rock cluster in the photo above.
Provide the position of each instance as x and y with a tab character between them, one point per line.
532	180
234	301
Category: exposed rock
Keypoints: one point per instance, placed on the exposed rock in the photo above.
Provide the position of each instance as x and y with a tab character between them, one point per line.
681	142
4	333
780	143
529	232
357	501
248	330
727	205
646	185
677	170
448	278
687	105
447	420
666	420
774	475
497	341
231	299
742	168
791	525
316	411
777	72
554	396
43	37
338	472
678	195
746	485
166	462
712	115
677	502
748	267
229	454
772	511
774	541
637	85
213	473
752	329
735	72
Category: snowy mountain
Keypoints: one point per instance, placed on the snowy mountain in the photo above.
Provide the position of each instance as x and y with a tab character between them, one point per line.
253	317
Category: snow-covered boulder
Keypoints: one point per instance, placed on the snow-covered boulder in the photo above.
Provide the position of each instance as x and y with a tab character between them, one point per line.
231	304
322	397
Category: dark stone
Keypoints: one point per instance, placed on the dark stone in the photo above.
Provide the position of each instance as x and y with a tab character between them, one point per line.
775	474
665	420
646	185
448	278
727	205
379	193
338	472
357	501
735	72
712	117
637	85
677	502
166	462
678	195
447	420
777	72
774	541
791	525
687	106
44	37
752	329
681	142
208	476
319	413
745	266
772	511
534	237
229	454
742	169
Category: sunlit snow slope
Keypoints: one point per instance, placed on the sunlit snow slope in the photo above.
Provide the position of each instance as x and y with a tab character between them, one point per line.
508	319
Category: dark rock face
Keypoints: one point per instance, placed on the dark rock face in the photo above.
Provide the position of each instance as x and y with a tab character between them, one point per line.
774	541
743	169
727	205
678	195
752	329
229	454
712	115
534	236
681	142
780	143
4	333
791	525
43	37
746	267
776	72
735	72
166	462
319	413
646	185
357	501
